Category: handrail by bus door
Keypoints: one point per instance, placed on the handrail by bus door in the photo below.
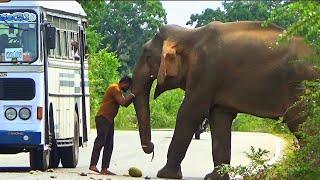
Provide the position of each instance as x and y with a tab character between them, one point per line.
83	90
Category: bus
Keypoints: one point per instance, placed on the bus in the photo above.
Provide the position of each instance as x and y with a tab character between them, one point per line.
44	92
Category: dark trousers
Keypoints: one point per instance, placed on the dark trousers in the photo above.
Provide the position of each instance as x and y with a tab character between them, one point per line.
105	133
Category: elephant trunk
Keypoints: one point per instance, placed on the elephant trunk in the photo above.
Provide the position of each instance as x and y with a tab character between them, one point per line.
142	108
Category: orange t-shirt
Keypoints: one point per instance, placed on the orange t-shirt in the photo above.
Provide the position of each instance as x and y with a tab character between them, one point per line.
109	106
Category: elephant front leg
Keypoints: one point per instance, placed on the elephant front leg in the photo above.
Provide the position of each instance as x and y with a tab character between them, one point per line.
188	119
220	126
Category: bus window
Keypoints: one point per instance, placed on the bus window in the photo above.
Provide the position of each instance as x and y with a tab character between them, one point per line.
28	42
56	22
63	44
63	24
70	54
51	52
75	50
58	49
19	37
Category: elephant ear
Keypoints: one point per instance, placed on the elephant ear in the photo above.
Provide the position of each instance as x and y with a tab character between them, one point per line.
170	61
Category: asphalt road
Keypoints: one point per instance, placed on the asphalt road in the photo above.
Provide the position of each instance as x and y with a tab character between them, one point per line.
128	153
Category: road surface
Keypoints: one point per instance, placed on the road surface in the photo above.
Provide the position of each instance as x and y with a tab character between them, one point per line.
128	153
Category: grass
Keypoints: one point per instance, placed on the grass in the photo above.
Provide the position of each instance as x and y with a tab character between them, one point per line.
249	123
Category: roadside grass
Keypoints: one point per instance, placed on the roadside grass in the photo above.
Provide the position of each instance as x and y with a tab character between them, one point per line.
249	123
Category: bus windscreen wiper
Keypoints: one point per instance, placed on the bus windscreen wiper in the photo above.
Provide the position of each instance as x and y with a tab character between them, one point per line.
10	26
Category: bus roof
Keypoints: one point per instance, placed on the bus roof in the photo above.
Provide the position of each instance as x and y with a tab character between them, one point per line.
72	7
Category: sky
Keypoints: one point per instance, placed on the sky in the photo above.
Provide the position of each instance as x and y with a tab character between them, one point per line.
179	12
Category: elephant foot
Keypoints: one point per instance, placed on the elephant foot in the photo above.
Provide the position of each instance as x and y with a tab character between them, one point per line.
216	176
170	172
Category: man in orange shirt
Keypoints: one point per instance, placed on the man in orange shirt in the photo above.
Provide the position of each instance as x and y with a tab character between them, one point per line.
113	98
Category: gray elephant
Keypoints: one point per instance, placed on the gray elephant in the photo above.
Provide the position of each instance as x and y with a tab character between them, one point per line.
224	68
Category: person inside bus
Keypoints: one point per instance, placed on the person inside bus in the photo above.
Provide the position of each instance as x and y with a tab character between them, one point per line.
4	41
75	47
113	98
29	44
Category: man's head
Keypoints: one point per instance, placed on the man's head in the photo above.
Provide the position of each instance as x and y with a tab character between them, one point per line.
125	83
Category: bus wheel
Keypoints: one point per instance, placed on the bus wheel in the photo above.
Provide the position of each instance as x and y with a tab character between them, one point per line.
39	159
70	155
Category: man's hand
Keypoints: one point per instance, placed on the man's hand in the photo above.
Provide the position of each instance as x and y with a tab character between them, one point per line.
125	101
131	94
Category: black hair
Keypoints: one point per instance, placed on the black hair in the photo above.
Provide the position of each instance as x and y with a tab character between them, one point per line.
126	79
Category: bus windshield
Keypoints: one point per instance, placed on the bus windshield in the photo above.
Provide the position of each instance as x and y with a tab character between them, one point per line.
18	37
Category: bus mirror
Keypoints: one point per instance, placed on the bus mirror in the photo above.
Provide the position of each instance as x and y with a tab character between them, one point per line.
51	37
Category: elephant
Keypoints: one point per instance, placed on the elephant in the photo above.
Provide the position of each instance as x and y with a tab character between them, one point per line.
224	69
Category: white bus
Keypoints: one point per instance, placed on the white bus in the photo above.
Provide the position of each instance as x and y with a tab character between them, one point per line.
44	93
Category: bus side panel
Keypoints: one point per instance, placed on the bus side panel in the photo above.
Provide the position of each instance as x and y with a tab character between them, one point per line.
62	96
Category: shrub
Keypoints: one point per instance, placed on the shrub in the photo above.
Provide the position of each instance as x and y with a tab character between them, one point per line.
255	169
304	163
163	111
249	123
102	71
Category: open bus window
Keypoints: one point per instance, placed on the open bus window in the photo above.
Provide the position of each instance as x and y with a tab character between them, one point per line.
75	50
18	37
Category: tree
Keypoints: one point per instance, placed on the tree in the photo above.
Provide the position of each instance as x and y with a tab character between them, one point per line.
103	70
94	10
236	11
303	163
306	15
126	25
122	27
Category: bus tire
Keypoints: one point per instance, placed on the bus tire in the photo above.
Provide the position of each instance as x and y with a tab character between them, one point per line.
70	155
39	159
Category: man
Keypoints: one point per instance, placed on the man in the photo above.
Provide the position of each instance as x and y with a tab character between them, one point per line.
112	99
4	41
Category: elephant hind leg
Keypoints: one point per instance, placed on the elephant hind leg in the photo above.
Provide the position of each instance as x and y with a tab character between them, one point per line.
295	116
220	125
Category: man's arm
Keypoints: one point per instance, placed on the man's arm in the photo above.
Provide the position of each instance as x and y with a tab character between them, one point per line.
124	101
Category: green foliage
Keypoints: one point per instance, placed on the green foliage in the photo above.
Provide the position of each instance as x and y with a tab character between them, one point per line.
94	10
249	123
255	169
124	26
236	11
126	119
163	111
306	20
303	163
102	72
93	39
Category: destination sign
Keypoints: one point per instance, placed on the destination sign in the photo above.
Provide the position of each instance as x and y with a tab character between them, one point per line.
18	17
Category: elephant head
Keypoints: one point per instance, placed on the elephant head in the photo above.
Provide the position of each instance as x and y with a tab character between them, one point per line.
160	59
